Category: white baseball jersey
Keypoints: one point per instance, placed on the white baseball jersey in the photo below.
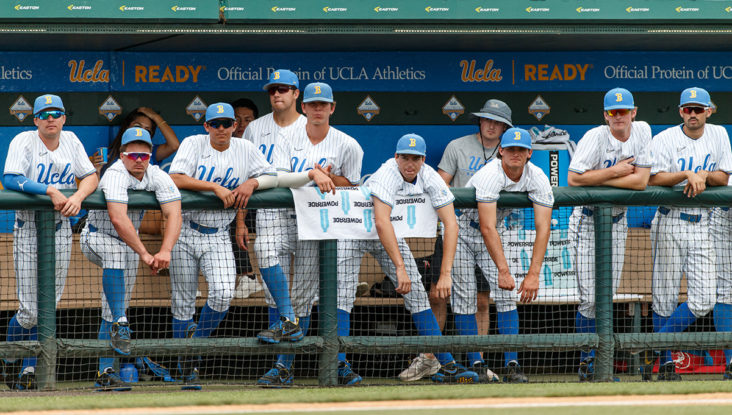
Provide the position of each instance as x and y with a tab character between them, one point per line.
490	180
388	182
673	151
28	156
229	168
265	133
115	184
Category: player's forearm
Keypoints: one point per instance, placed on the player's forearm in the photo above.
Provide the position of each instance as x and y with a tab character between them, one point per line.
495	247
537	255
126	231
21	183
590	177
388	239
635	181
185	182
87	186
340	181
667	179
171	141
173	221
450	237
717	178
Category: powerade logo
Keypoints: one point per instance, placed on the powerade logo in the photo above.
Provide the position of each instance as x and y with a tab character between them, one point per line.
131	8
21	7
72	7
637	10
335	9
487	10
182	9
276	9
379	9
430	9
537	9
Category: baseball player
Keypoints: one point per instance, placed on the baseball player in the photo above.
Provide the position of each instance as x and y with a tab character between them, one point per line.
404	175
479	241
42	162
616	154
273	254
462	158
693	155
720	230
110	240
315	144
209	162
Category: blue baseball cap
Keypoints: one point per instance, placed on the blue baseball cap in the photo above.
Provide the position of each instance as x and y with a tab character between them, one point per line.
282	77
219	110
619	98
411	144
695	95
317	92
516	137
47	101
136	134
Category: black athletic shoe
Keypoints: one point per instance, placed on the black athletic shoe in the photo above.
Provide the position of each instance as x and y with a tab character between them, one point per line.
276	377
120	338
346	376
667	372
283	330
586	370
455	373
514	373
110	381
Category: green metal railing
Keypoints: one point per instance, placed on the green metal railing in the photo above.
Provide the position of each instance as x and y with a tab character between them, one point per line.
328	344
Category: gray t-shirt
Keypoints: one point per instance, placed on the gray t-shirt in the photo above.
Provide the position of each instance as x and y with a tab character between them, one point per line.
463	157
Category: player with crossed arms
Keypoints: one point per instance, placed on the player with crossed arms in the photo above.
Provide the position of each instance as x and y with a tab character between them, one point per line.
110	240
318	144
209	162
42	162
616	154
693	155
479	242
404	175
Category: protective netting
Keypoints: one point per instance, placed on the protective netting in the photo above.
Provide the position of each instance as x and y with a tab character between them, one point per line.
525	341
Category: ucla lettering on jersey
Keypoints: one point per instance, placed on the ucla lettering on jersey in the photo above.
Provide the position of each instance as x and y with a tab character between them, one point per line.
227	181
685	164
298	166
475	164
46	177
267	152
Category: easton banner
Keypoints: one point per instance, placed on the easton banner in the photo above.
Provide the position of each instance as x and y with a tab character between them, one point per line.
349	214
366	71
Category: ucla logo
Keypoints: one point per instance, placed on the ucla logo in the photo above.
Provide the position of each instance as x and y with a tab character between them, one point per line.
228	181
46	177
707	164
79	74
299	166
267	152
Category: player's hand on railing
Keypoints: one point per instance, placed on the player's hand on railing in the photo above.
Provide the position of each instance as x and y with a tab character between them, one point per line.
404	285
58	199
72	206
529	288
696	183
321	177
243	192
444	286
226	196
161	260
624	167
242	237
505	280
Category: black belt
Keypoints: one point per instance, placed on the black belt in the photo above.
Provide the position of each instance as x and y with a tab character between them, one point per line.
683	216
203	229
22	222
93	228
589	212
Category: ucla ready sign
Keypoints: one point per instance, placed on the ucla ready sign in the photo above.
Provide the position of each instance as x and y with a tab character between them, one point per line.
365	71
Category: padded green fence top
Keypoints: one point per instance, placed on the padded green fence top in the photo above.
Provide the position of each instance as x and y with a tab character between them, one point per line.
375	10
464	198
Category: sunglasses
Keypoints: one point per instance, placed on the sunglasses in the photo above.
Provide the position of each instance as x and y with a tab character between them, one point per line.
695	110
137	156
215	124
620	112
56	114
282	89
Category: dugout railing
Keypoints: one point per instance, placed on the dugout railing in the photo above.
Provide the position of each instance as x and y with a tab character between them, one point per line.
327	344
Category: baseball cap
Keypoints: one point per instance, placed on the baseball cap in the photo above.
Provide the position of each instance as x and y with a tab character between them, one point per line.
411	144
219	110
47	101
695	95
282	77
516	137
496	110
619	98
136	134
317	91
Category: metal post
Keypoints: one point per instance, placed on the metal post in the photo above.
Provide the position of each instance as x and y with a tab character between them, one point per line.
46	261
604	293
328	314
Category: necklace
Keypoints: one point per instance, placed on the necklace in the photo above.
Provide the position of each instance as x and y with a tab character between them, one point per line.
480	133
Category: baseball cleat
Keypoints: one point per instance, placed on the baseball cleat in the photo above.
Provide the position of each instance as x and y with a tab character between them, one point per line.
276	377
586	370
485	375
514	373
455	373
728	372
346	376
667	372
420	367
120	338
283	330
109	381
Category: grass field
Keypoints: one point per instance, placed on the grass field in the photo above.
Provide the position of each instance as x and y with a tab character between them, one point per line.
447	397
